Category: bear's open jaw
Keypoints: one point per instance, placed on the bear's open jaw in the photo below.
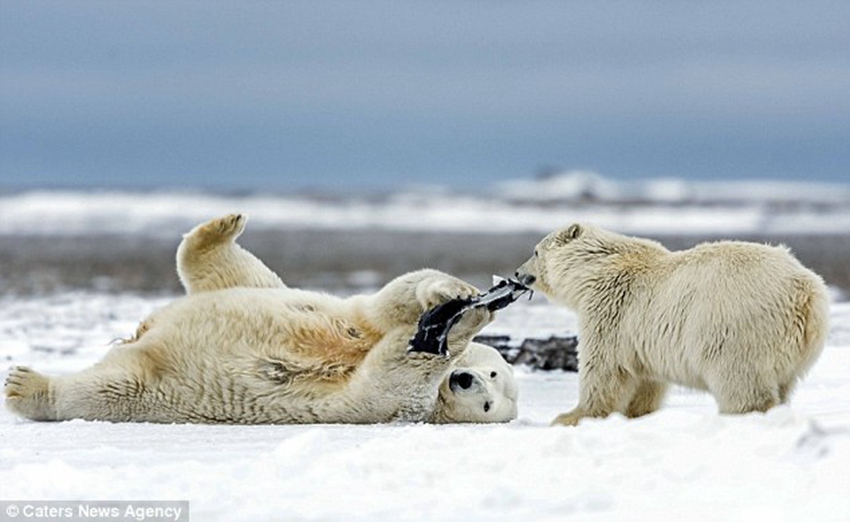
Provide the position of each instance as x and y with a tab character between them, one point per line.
435	324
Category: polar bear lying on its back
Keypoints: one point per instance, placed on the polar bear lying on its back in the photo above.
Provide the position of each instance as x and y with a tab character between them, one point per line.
741	320
243	348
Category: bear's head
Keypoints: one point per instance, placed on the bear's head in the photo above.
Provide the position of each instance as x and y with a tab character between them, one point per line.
480	388
565	259
573	263
553	264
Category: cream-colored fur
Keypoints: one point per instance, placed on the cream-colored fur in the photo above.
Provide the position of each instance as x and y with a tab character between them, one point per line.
243	348
741	320
210	259
480	388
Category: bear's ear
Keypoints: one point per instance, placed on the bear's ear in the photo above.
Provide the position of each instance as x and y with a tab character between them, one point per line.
571	233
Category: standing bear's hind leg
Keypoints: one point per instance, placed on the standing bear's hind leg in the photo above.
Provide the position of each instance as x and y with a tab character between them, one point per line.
28	394
786	389
745	392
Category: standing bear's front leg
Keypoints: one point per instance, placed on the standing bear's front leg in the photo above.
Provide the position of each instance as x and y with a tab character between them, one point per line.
604	386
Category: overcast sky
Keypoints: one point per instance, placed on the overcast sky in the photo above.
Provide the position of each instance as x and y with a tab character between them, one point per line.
293	95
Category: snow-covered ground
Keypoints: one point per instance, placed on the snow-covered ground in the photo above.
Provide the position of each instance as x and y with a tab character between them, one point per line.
685	462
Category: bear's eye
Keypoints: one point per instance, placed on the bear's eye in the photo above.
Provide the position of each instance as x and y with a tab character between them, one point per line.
486	407
493	375
535	252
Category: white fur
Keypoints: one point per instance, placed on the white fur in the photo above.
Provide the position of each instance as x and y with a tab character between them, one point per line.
741	320
491	395
243	348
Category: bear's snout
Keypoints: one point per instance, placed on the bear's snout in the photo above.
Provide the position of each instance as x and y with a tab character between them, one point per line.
461	380
525	279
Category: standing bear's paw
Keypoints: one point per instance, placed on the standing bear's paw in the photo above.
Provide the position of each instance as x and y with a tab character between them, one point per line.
571	418
28	394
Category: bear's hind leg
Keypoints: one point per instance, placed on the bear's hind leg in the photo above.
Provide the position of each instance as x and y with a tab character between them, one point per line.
209	259
786	389
114	395
647	398
119	389
743	393
28	394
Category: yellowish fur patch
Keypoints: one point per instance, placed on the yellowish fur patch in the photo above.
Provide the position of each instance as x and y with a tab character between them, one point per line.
320	350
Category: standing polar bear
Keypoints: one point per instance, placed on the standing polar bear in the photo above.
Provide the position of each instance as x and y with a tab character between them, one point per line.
243	348
740	320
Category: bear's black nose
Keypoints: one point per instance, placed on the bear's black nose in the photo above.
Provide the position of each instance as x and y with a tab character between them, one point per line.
526	279
461	379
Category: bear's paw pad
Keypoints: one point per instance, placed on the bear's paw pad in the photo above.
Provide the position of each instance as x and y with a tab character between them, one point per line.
27	392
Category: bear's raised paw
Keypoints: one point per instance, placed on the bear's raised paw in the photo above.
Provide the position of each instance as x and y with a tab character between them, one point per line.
219	230
439	290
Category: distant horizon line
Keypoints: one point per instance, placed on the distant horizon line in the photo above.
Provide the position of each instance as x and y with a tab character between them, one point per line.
342	189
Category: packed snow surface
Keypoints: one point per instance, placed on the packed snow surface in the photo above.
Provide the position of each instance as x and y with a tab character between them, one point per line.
684	462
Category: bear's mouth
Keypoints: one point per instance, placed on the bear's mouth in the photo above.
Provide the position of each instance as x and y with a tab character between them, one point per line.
526	279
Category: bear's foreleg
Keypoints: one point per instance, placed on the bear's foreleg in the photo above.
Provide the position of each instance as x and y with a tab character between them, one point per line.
402	301
647	398
604	388
393	384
